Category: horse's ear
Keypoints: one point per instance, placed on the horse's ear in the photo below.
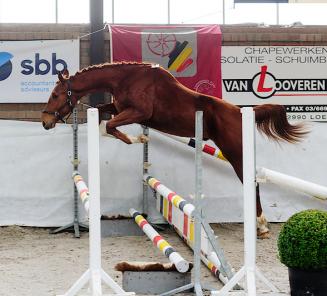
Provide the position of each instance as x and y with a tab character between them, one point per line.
63	75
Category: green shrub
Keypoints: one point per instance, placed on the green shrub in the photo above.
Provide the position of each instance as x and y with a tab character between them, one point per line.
302	242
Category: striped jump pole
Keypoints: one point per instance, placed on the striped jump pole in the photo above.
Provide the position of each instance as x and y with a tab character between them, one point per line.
171	196
174	257
215	152
82	190
182	221
213	265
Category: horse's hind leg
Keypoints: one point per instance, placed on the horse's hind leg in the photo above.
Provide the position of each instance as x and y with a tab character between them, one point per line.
128	116
262	224
236	160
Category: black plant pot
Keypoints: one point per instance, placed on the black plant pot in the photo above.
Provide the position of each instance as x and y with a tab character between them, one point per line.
308	282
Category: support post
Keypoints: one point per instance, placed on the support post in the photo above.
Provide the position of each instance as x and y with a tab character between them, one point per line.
94	189
145	170
95	274
196	284
96	43
197	202
76	225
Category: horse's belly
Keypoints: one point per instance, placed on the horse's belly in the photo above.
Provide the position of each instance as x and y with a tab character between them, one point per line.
174	126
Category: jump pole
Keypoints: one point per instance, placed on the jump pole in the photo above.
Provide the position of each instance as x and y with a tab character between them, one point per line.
169	201
269	176
213	151
174	257
249	271
82	190
94	274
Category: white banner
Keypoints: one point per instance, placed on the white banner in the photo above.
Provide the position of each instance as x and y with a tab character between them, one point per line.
28	69
294	76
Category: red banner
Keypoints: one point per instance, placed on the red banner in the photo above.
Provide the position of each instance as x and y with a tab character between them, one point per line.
191	53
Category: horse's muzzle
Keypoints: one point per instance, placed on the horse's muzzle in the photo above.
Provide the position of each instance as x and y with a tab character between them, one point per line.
48	121
44	125
48	125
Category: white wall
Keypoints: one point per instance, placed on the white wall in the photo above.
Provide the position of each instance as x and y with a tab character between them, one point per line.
37	190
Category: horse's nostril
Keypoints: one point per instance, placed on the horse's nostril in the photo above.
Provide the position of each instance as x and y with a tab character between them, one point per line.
45	125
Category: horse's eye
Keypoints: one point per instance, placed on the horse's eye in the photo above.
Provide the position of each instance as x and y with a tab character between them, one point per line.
54	96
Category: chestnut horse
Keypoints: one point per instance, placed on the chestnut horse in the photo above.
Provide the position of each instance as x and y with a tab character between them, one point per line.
149	95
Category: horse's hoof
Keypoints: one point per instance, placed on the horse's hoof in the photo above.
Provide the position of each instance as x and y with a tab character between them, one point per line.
263	235
143	139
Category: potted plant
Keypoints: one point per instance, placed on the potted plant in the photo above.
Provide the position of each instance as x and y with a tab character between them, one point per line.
302	247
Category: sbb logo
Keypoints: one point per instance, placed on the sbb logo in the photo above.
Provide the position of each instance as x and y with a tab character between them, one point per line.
43	66
5	65
38	66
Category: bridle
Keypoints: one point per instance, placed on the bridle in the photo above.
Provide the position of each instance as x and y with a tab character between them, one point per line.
68	103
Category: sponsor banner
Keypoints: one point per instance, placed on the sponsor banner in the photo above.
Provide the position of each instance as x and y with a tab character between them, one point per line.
190	53
28	69
294	76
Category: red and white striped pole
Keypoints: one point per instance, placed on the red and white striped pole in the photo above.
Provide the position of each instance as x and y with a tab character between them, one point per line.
213	151
83	190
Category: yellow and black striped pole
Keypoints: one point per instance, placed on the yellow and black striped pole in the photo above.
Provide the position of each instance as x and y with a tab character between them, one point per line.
174	257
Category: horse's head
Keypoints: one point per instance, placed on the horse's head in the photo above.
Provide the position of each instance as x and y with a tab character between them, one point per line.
61	102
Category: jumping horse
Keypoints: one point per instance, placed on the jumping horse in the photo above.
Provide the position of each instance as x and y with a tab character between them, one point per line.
147	94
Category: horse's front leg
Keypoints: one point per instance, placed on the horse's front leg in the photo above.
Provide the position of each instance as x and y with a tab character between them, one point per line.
262	224
109	108
128	116
128	139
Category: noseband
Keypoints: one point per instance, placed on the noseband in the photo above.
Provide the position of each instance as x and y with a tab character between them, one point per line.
68	103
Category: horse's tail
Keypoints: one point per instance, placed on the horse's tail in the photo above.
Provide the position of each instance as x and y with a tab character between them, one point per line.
271	119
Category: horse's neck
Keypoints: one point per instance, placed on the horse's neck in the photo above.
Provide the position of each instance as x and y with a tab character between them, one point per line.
95	80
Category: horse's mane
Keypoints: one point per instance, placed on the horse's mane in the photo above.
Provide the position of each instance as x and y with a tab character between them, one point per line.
110	65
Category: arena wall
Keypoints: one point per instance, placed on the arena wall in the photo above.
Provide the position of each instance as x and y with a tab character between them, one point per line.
233	35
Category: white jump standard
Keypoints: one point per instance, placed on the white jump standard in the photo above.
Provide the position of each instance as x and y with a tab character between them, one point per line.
249	271
95	274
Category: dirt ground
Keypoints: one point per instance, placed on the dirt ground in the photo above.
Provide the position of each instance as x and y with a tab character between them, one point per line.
34	262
